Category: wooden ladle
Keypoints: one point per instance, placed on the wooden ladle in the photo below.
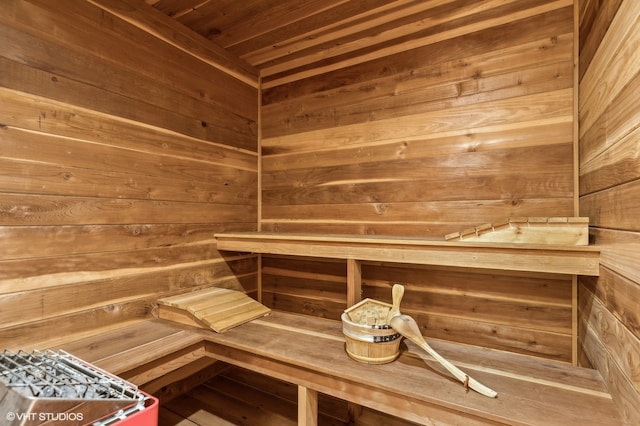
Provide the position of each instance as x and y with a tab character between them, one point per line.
397	292
407	326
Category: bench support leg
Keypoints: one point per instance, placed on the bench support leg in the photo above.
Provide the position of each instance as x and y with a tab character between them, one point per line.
307	406
354	282
355	410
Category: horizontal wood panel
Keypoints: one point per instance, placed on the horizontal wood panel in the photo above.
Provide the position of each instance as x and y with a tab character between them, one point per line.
615	166
622	391
123	152
55	331
146	18
438	62
402	98
47	117
58	87
609	182
534	108
456	214
427	130
545	258
503	303
457	20
613	138
613	66
519	135
38	163
51	301
22	209
514	287
491	173
550	345
24	242
82	28
619	295
620	344
614	208
619	251
595	17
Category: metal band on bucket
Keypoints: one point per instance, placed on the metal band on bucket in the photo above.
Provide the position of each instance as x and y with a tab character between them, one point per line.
369	338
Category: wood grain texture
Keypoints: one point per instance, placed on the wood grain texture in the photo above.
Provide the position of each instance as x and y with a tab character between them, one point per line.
218	309
400	138
527	384
609	182
595	18
552	259
127	142
516	311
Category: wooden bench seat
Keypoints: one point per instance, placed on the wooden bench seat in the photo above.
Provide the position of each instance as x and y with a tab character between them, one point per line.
139	352
309	352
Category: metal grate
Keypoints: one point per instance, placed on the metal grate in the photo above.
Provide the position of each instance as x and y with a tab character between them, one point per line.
60	375
28	380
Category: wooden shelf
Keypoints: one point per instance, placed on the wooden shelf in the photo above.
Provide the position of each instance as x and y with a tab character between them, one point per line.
556	259
568	260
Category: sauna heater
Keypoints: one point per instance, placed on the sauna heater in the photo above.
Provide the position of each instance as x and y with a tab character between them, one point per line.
56	388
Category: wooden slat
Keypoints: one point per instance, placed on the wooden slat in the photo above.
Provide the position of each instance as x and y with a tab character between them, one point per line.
609	345
594	19
614	208
343	53
116	140
307	406
609	191
42	117
546	230
533	108
525	386
216	308
354	282
578	260
146	18
614	65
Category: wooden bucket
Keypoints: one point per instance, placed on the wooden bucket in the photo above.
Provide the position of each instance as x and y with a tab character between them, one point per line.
368	338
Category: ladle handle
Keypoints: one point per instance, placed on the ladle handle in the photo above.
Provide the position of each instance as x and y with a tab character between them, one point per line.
407	326
397	292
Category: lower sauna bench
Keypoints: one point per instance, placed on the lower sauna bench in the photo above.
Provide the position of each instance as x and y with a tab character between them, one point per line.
251	374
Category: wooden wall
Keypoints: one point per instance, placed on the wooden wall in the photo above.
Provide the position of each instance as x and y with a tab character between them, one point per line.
126	142
462	116
610	193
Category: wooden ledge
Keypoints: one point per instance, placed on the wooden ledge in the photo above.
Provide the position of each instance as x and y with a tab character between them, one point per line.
309	352
139	352
557	259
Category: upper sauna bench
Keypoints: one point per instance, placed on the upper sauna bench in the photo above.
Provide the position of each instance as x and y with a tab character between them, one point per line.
544	258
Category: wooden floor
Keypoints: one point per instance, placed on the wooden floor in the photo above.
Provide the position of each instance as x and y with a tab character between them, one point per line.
241	397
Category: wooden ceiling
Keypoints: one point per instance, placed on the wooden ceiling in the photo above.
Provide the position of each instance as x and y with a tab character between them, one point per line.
277	36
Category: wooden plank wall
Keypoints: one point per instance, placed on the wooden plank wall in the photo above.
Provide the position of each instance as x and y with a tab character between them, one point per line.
462	115
126	142
610	193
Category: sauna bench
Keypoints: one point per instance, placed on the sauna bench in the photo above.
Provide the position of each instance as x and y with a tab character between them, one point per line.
570	260
309	352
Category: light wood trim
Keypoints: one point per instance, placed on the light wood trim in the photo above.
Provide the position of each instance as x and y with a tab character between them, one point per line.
156	23
574	320
259	279
576	111
260	156
571	260
354	282
409	389
307	406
